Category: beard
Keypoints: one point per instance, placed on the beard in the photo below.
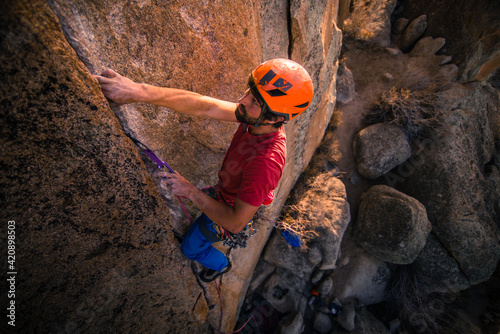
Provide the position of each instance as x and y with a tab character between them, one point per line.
242	116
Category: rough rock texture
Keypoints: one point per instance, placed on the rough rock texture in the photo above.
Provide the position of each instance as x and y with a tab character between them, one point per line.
180	44
324	209
379	148
360	275
391	225
87	183
439	269
316	43
95	252
448	176
279	253
427	46
322	323
471	29
347	317
345	84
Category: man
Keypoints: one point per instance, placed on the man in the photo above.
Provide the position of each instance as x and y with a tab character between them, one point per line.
279	90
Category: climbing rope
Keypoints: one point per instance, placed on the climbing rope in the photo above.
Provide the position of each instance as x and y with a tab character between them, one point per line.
162	164
222	314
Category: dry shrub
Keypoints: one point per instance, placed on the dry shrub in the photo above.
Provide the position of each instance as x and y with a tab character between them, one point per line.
411	300
367	18
415	103
295	220
419	309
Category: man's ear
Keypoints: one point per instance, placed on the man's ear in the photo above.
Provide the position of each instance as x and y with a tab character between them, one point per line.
279	119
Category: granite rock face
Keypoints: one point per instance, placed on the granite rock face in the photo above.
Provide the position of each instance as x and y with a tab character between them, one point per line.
94	249
449	176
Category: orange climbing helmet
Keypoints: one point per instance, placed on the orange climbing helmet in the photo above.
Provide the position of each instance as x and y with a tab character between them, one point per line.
284	85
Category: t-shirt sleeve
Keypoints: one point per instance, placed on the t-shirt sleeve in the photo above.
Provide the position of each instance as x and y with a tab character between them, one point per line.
260	177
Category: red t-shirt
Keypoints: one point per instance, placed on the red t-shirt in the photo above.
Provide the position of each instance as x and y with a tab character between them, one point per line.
252	167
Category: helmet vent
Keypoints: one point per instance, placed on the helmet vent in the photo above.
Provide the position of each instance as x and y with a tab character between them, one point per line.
303	105
276	92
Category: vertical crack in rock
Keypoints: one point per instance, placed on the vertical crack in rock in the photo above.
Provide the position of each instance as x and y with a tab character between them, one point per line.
289	28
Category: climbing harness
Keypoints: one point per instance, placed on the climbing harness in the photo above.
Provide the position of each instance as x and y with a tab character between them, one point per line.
232	240
161	164
235	240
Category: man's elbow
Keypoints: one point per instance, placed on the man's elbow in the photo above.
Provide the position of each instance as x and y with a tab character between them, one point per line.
236	228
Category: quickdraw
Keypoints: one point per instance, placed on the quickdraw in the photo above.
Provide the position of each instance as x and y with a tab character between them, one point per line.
230	239
235	240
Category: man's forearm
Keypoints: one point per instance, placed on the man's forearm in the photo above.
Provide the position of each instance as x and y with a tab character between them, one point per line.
180	100
219	212
187	102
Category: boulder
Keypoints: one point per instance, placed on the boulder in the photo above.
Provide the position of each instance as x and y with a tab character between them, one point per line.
471	32
322	323
448	177
427	46
292	323
391	225
439	269
328	222
282	296
364	323
412	33
347	317
399	26
325	286
279	253
379	148
360	275
345	85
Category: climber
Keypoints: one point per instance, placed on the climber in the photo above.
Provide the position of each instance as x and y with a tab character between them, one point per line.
278	91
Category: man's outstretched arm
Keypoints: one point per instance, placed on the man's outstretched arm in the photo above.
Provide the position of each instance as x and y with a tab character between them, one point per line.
121	90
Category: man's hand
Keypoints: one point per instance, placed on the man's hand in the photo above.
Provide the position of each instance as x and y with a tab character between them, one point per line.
118	88
232	218
179	185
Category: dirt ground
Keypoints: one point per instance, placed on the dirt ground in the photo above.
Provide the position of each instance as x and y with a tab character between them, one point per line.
375	70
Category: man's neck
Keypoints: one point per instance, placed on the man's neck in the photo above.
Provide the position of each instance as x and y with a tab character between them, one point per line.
262	130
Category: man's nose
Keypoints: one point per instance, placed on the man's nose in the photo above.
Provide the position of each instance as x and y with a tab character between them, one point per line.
245	94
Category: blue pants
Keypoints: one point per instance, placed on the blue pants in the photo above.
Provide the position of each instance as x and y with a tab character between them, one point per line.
197	245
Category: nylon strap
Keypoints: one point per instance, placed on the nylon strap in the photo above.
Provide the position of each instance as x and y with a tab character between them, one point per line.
160	164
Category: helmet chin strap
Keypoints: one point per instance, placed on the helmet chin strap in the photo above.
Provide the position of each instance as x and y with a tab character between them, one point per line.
257	124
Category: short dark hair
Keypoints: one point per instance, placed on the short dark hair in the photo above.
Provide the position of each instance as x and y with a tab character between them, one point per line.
267	113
